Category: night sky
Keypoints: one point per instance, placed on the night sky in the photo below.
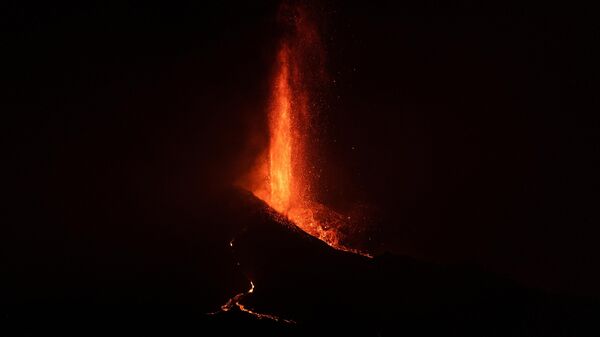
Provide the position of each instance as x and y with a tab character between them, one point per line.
464	133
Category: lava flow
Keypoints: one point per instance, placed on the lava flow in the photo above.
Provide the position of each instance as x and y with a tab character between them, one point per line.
286	177
236	301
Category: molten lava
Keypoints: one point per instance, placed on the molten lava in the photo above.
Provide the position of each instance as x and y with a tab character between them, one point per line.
236	302
280	149
286	177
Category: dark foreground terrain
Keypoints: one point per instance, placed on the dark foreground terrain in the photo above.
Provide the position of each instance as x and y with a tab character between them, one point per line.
158	279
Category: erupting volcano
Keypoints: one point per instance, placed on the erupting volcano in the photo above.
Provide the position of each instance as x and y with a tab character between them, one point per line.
285	173
286	176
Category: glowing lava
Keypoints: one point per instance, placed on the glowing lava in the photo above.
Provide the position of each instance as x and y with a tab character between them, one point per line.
280	149
285	179
236	302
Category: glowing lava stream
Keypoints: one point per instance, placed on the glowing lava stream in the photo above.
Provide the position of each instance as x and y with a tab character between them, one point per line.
235	301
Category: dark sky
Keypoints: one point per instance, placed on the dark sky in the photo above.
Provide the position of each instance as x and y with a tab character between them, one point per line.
464	130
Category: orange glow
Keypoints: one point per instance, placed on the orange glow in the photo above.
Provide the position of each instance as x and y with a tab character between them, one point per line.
283	177
280	149
236	301
286	178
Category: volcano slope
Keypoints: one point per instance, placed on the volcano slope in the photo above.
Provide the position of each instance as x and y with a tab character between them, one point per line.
169	274
322	289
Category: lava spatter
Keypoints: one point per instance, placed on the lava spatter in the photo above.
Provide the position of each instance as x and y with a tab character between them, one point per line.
285	178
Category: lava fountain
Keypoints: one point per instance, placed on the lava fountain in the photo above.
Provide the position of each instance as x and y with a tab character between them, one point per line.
286	176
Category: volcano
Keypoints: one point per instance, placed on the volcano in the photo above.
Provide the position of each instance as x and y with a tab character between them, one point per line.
303	280
300	286
339	169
